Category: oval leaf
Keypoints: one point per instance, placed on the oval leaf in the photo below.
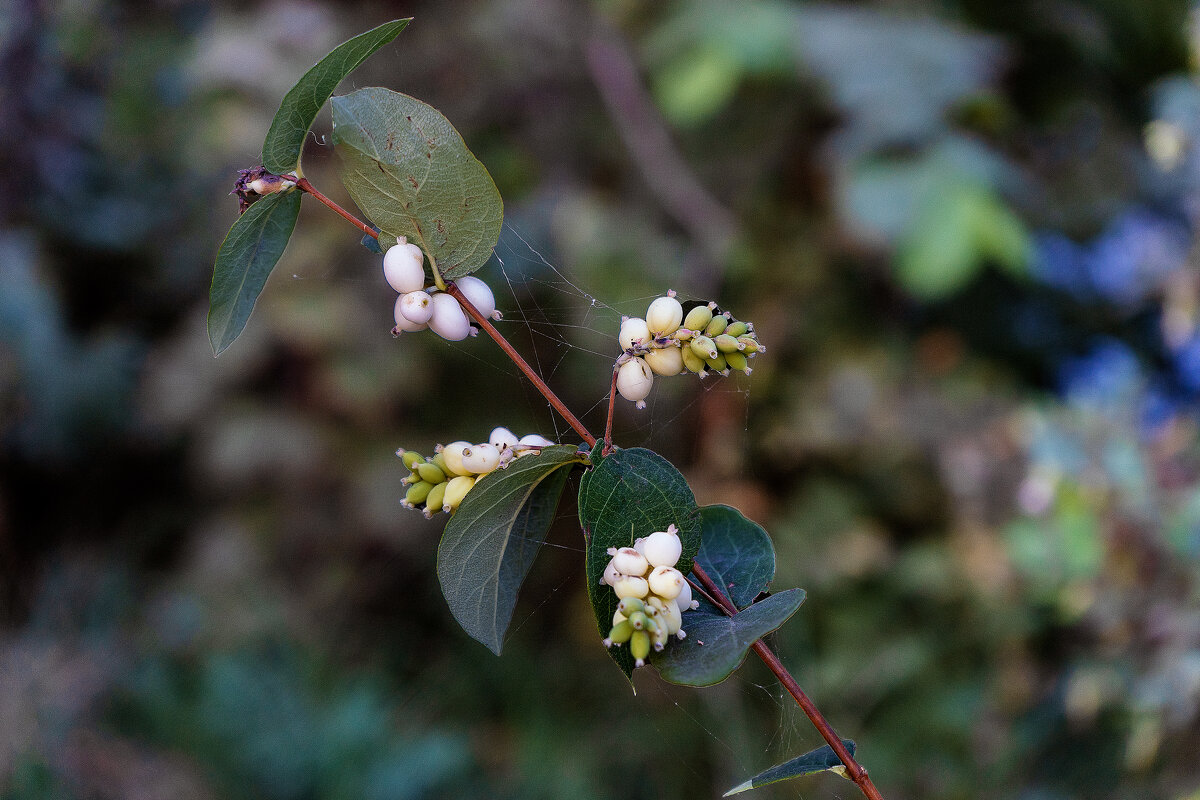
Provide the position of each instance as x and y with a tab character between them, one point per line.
812	762
249	253
285	138
412	175
492	540
629	494
716	644
736	553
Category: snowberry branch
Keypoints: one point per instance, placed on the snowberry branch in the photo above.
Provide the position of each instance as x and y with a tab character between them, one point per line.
854	770
709	588
612	401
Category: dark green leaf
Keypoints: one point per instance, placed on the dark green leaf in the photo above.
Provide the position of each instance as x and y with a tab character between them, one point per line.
285	139
412	174
819	760
736	553
490	543
717	644
249	253
631	493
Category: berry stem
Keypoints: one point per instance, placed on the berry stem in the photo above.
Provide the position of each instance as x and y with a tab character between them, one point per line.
854	770
521	363
304	185
612	401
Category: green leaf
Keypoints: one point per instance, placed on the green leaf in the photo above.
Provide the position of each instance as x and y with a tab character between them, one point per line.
411	173
249	253
819	760
285	139
631	493
493	538
716	644
736	553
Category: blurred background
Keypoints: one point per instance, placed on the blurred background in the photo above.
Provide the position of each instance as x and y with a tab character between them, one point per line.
964	229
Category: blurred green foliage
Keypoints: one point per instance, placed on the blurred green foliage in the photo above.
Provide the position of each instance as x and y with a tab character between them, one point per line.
973	439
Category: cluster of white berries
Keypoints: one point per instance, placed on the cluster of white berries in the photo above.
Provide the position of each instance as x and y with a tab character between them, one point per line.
653	594
668	343
419	306
440	482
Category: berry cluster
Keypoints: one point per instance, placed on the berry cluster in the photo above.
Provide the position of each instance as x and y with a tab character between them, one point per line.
667	342
419	306
440	482
653	594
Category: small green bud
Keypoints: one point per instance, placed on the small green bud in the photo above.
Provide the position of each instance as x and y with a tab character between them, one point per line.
694	363
433	501
619	634
728	344
703	347
749	344
629	605
439	461
412	458
736	329
431	473
639	646
717	326
717	364
738	361
698	318
417	493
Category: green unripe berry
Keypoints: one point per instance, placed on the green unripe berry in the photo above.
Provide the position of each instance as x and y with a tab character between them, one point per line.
717	325
727	344
698	318
638	620
749	344
738	361
737	329
694	363
639	647
629	605
703	347
619	634
433	501
412	458
717	364
439	461
417	493
431	473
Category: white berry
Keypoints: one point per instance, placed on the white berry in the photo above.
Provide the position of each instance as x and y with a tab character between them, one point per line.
664	315
481	458
630	586
666	582
403	266
665	360
534	440
633	331
634	381
478	293
684	598
663	548
502	438
611	576
448	321
403	323
416	307
452	454
630	562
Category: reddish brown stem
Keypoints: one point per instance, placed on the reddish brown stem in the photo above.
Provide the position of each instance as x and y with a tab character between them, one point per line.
304	185
612	402
521	363
854	770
